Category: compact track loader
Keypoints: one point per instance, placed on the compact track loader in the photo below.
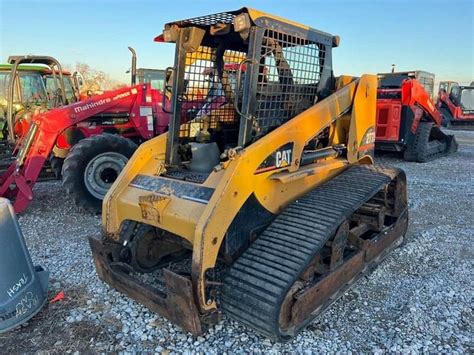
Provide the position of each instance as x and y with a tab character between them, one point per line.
408	121
274	187
456	105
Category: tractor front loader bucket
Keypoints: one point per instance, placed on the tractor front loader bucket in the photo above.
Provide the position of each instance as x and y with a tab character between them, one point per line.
23	287
176	303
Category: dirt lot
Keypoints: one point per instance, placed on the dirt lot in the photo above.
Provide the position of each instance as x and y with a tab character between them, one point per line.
419	299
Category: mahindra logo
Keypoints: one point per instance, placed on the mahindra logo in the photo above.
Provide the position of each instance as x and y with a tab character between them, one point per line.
91	105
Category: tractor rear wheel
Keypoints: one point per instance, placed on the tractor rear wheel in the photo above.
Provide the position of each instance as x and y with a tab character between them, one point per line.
92	166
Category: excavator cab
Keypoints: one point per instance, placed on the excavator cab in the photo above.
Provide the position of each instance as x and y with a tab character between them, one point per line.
252	181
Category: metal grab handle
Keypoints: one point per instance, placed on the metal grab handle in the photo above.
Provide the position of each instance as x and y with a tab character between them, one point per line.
163	99
237	84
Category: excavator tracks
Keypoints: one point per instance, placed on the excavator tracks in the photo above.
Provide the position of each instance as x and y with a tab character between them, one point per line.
316	249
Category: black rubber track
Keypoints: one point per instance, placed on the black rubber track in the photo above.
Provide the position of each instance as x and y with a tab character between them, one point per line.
430	143
75	164
256	284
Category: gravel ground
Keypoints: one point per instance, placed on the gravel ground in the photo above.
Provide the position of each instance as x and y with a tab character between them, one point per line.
419	299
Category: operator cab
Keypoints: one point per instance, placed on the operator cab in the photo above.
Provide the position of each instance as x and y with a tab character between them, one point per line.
394	80
244	73
465	97
29	94
460	95
70	89
29	86
156	77
44	63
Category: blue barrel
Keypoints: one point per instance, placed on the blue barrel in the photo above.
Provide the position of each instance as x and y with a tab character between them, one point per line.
23	287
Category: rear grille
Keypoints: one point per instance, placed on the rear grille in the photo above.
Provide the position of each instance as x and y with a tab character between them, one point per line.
381	131
382	117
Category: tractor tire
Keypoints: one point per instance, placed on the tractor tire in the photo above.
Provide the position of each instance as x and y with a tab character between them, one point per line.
91	167
446	116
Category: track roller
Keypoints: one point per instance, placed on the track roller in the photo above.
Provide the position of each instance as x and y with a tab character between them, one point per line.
316	249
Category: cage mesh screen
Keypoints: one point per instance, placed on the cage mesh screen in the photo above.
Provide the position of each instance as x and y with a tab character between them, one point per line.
289	74
208	98
209	20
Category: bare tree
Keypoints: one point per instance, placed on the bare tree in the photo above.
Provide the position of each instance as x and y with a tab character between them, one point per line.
95	80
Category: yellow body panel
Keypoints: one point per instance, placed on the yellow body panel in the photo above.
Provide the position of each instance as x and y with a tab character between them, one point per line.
350	112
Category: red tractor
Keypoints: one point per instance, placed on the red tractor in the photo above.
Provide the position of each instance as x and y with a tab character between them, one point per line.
408	120
30	84
92	140
103	132
456	104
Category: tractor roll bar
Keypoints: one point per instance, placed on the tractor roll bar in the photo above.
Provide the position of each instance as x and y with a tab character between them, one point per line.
16	60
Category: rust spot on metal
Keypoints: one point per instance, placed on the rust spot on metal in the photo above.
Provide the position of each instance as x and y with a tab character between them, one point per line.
313	299
152	206
338	246
316	298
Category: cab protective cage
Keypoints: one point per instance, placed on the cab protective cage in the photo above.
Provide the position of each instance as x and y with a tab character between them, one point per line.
266	69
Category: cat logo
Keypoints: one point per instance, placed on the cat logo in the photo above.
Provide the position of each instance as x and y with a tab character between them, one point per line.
283	158
279	158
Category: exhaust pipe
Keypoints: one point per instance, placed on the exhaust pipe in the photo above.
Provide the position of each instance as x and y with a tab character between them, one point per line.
134	66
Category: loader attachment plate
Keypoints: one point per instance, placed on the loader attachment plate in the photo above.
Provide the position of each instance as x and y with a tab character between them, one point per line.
176	304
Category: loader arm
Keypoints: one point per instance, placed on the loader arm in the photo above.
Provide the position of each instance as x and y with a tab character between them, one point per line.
415	96
444	100
35	147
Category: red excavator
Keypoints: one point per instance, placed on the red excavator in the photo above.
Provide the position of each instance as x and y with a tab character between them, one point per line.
456	105
408	120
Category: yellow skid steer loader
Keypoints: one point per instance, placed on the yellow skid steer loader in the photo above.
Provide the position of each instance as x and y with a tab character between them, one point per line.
266	194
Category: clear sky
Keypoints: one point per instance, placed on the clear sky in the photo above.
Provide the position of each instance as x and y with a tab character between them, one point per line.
436	36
